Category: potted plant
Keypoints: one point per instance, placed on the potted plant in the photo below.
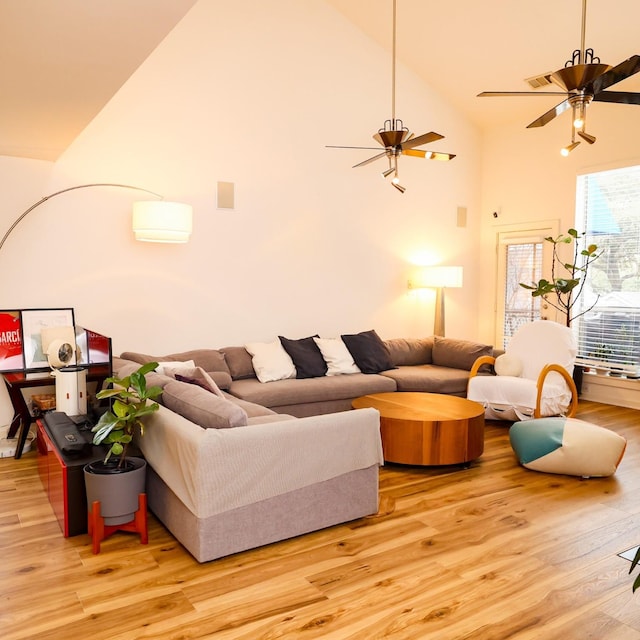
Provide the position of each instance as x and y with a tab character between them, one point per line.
567	281
117	480
567	278
601	353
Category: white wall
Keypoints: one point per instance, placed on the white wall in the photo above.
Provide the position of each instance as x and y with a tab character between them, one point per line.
524	177
251	93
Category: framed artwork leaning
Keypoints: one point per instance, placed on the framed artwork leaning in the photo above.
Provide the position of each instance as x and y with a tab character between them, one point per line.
33	321
11	346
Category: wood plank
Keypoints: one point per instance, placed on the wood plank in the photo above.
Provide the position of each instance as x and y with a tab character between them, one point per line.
493	551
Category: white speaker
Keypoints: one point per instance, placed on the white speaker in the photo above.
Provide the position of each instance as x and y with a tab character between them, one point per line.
71	390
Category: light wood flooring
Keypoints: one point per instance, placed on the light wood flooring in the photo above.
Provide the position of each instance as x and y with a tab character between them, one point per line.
491	552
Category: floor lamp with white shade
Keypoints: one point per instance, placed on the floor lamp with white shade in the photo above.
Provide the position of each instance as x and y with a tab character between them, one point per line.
437	277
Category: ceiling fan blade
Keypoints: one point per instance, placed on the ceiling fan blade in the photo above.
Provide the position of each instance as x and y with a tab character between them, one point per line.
425	138
550	115
414	152
495	94
429	155
625	69
335	146
368	160
623	97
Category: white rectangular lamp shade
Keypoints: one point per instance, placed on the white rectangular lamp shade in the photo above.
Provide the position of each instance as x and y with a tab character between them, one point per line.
436	277
160	221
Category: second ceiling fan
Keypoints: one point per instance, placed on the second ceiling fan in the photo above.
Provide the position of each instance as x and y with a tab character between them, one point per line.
583	79
396	139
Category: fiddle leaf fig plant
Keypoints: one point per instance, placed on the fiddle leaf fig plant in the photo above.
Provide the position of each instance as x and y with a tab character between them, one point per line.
567	278
118	425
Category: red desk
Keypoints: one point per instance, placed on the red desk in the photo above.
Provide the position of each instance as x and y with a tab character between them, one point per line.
20	380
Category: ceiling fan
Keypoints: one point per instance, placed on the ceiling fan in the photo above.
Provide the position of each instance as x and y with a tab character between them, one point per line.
583	80
396	139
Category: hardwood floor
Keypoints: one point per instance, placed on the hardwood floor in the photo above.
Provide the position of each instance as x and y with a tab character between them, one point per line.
491	552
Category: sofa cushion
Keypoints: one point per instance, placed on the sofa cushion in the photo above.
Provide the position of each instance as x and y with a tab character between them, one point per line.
310	390
368	351
202	407
410	351
239	361
458	354
164	367
338	358
211	360
306	357
270	361
252	409
123	368
429	378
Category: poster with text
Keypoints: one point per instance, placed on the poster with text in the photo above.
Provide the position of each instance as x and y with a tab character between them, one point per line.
11	349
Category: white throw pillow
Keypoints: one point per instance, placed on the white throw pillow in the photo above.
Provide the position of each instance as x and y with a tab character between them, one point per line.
338	358
270	361
188	364
508	365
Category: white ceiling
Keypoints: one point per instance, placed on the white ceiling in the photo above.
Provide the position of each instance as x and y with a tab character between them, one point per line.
62	60
464	47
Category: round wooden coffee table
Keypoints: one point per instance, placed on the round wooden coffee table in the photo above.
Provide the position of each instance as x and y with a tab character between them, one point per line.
427	428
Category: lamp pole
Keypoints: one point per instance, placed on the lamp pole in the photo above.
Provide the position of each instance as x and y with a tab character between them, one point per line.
57	193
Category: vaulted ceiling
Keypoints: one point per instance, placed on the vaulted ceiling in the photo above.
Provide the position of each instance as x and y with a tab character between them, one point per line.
62	61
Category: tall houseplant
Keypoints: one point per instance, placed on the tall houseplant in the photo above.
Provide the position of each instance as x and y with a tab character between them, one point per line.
117	481
567	278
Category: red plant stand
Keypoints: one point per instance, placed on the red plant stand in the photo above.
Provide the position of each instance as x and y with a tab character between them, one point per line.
98	530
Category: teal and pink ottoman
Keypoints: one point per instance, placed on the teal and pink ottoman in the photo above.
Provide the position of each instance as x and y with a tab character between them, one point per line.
567	446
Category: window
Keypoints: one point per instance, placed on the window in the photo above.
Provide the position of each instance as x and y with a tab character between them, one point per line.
524	264
608	209
523	256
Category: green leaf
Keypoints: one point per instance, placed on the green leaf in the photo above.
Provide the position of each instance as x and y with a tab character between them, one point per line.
117	449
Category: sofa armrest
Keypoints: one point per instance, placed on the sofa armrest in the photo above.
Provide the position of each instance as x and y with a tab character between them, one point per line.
215	470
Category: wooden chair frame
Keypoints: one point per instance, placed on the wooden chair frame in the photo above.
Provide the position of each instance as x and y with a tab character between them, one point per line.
573	407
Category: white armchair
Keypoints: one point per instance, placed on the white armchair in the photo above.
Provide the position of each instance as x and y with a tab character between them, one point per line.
533	377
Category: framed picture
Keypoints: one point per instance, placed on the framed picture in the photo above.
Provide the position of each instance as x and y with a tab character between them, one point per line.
11	351
93	347
33	321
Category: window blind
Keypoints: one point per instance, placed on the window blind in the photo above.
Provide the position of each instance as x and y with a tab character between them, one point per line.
608	210
523	264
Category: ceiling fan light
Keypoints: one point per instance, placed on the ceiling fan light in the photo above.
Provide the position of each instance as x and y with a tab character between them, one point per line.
398	186
388	172
578	123
587	137
565	151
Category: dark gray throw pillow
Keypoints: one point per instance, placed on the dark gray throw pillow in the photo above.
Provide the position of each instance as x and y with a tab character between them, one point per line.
306	357
368	351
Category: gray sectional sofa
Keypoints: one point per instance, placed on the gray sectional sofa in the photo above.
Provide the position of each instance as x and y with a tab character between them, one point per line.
235	463
431	365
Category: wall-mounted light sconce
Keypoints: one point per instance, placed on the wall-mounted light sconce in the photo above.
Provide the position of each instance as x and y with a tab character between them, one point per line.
437	277
170	221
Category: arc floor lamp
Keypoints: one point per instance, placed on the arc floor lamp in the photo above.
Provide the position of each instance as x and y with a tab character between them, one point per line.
153	220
